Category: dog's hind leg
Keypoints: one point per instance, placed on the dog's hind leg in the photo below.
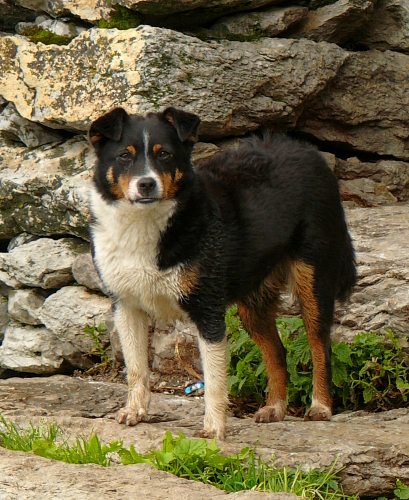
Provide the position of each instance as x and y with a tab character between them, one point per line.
259	321
316	294
132	326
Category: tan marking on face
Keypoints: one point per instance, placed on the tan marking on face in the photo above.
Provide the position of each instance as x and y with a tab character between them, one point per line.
110	175
132	149
303	282
170	183
156	148
189	279
120	188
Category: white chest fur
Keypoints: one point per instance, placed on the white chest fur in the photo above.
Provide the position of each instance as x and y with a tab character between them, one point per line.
126	240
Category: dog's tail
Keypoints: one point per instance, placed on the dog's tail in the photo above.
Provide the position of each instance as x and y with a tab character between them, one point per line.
347	276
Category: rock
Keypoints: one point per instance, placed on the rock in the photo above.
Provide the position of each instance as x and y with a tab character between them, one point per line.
366	106
394	175
234	87
56	26
31	349
371	449
85	274
388	28
17	128
4	317
67	312
366	192
175	349
21	239
381	298
45	190
43	263
11	13
337	22
269	23
90	10
203	151
24	306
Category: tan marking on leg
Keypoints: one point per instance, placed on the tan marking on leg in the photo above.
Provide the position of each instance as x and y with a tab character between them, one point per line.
263	331
156	148
132	149
132	326
214	362
189	279
303	282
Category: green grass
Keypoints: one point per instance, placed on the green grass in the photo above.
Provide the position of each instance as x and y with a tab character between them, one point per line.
194	459
40	35
121	19
372	372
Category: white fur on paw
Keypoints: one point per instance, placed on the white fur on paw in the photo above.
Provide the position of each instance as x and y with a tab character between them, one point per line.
128	416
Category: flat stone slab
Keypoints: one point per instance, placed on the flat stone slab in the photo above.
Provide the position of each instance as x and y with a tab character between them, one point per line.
372	449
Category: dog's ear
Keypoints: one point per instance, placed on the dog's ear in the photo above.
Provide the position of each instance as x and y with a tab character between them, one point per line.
108	126
186	124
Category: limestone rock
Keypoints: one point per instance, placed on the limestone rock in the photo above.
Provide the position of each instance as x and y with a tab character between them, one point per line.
175	349
89	10
43	263
21	239
11	13
56	26
4	318
381	298
366	106
269	23
336	22
13	126
24	305
394	175
234	87
32	349
85	274
66	313
366	192
45	190
371	449
388	27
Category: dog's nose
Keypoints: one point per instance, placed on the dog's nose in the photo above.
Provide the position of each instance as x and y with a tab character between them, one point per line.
146	185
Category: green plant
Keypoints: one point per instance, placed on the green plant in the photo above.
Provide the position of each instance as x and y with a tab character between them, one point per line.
195	459
402	490
200	460
371	372
41	35
100	348
43	441
121	18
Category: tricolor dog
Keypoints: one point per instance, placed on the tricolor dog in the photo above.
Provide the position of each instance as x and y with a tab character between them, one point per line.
173	242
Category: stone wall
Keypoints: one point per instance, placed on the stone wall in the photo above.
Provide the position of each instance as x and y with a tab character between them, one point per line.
334	73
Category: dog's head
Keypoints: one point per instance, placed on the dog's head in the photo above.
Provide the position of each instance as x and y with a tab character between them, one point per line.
143	159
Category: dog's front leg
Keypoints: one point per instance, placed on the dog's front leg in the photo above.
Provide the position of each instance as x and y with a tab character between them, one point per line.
214	365
132	326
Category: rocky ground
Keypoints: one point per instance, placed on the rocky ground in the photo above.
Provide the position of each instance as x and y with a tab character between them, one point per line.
371	449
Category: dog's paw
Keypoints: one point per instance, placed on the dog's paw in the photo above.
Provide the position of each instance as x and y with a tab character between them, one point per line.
318	412
267	414
210	434
128	416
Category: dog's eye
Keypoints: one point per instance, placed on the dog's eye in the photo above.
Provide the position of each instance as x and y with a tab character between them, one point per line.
164	155
126	155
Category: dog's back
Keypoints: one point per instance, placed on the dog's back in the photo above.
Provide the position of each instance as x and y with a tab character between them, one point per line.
280	203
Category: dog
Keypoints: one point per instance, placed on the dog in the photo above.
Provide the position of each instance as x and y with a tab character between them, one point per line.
174	242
